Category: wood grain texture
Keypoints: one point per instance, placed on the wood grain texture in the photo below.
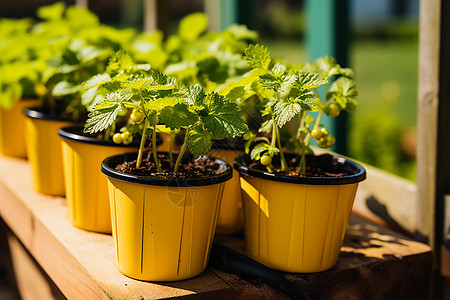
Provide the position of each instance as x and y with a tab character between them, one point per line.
375	263
428	103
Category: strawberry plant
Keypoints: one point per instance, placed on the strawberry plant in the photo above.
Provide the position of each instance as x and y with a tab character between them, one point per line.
160	99
286	93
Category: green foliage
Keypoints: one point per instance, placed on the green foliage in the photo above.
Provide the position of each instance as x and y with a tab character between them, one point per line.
192	26
163	101
257	56
286	92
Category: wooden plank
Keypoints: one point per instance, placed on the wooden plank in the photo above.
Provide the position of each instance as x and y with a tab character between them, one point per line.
375	263
397	194
82	264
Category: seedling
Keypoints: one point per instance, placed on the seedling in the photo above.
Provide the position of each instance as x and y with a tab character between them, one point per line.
160	99
286	93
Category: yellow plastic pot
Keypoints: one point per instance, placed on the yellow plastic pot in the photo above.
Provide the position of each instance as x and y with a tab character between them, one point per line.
86	187
12	129
296	224
44	151
163	229
231	219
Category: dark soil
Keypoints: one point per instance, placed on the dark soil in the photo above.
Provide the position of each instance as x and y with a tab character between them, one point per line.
189	168
316	166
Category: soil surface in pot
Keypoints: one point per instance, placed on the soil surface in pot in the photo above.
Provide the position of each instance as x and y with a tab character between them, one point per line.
203	167
323	165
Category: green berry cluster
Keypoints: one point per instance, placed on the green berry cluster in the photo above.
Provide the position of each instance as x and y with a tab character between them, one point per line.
324	139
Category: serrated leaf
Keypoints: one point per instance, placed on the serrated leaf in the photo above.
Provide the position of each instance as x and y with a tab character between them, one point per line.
284	110
120	61
97	80
245	81
63	88
257	56
137	82
307	80
223	118
278	70
270	81
195	95
177	116
192	26
267	126
103	115
199	141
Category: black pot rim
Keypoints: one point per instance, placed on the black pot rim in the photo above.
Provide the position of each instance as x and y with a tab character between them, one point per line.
36	113
108	170
359	176
239	145
75	133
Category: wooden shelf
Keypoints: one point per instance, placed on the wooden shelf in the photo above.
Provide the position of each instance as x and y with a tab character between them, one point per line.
83	266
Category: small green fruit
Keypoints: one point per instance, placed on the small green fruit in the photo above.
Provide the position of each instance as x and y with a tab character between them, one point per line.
117	138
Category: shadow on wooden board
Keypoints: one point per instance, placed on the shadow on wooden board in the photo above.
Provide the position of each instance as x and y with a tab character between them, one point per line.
24	278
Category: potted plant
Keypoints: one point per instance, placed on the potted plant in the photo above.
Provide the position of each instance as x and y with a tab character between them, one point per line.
209	59
19	70
86	187
81	47
164	206
296	205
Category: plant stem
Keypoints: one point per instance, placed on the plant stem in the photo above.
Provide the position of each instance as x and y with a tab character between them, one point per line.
172	141
155	153
274	133
141	146
303	163
284	165
183	149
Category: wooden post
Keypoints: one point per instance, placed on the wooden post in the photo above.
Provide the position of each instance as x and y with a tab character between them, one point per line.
82	3
221	13
428	97
150	15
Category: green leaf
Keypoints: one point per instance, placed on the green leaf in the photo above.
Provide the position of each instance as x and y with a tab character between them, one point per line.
309	120
257	56
137	83
97	80
51	12
120	61
241	32
267	126
192	26
103	115
177	116
246	80
222	117
307	80
343	90
199	141
160	103
63	88
278	70
255	154
270	81
284	110
195	95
